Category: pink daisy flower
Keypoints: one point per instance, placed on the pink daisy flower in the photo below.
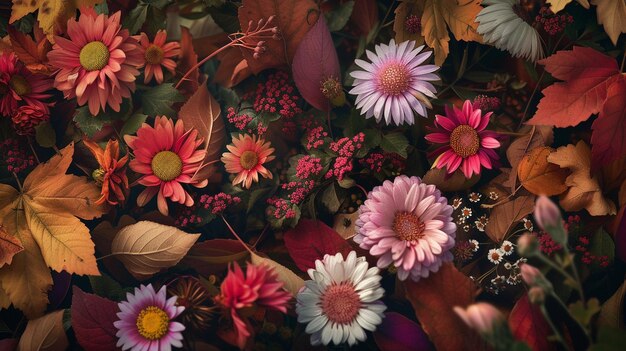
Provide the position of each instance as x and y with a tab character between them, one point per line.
395	83
98	63
167	156
157	54
19	86
259	287
246	158
407	223
468	144
145	321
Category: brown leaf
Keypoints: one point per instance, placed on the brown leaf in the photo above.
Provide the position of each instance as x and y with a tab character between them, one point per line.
32	54
345	224
612	15
612	311
44	334
9	246
506	216
584	189
291	281
539	176
537	136
403	11
449	182
293	18
213	256
186	60
433	299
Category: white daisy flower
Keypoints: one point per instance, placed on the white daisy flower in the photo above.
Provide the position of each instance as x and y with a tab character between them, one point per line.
507	247
495	256
341	301
395	83
501	24
475	245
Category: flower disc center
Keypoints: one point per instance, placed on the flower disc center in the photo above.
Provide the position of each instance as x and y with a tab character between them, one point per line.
20	85
166	165
154	55
341	303
152	323
408	226
248	159
464	141
94	56
394	79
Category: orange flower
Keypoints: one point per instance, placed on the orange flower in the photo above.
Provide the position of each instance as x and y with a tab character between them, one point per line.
246	158
112	172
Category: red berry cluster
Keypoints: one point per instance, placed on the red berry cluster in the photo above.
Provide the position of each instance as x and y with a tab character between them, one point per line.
308	166
373	161
277	95
413	24
547	245
17	157
281	208
345	148
552	23
299	190
486	103
218	203
315	137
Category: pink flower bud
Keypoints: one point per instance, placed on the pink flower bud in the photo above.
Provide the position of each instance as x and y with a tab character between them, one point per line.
527	245
530	274
547	214
480	316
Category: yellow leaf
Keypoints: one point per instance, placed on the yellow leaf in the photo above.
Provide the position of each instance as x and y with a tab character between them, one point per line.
458	15
45	333
291	281
612	15
146	247
584	189
403	11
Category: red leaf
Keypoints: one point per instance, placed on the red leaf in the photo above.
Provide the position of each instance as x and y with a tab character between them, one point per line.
609	129
187	59
315	61
527	324
310	240
433	299
8	344
364	16
587	74
92	321
400	333
33	54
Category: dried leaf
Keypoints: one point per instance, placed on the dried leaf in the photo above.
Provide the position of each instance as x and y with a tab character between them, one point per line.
505	216
32	54
609	129
539	176
146	247
538	136
186	60
527	324
558	5
291	281
44	334
92	320
612	15
213	256
449	182
9	246
403	11
612	311
584	189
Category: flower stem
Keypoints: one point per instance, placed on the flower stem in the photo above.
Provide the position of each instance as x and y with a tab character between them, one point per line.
236	236
556	332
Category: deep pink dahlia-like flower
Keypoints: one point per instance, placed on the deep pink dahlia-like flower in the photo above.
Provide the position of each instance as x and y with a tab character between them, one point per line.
408	223
19	86
468	145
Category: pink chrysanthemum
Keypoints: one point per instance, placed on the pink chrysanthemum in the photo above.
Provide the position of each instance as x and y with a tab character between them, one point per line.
469	145
98	63
157	54
407	223
246	158
167	156
19	86
259	287
395	83
145	321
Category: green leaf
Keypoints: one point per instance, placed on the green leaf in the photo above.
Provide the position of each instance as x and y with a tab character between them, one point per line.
338	18
136	18
609	339
346	182
67	319
225	16
89	123
582	313
602	245
133	123
45	135
395	142
155	20
158	101
102	8
330	200
105	286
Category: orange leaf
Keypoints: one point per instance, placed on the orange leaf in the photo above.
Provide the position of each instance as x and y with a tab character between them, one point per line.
34	55
44	334
539	176
9	246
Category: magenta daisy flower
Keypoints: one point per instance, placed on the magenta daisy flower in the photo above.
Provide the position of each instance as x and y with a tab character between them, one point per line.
407	223
468	144
145	321
395	83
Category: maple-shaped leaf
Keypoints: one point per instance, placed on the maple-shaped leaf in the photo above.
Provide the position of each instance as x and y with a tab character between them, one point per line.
92	320
584	189
458	15
33	53
43	216
608	139
558	5
52	14
587	75
612	15
9	246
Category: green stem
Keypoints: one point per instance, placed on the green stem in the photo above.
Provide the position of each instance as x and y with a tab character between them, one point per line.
561	271
556	332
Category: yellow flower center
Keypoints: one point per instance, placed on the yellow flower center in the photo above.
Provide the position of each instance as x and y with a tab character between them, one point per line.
20	85
98	176
248	159
94	56
394	79
166	165
464	141
408	226
154	55
152	323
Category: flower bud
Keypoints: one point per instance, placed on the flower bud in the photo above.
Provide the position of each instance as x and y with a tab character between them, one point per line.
480	316
527	245
530	274
537	295
547	214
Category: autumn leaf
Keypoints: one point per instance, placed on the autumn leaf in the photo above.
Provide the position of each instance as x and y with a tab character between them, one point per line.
433	299
293	18
187	59
558	5
43	216
528	324
537	136
612	15
145	248
33	53
291	281
539	176
405	9
587	75
9	246
458	15
92	320
213	256
584	189
608	139
506	216
44	334
397	332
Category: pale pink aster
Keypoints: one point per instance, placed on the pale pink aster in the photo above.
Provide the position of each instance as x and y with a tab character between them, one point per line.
146	321
19	86
408	223
395	83
158	54
97	62
468	145
167	156
258	287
